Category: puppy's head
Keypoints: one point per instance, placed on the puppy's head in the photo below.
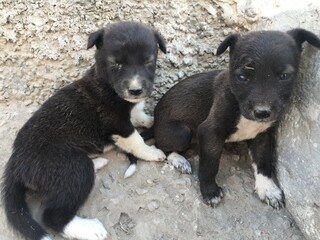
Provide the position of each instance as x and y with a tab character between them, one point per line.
262	68
126	58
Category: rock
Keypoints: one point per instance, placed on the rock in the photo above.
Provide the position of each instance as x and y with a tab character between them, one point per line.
298	164
140	191
153	205
105	184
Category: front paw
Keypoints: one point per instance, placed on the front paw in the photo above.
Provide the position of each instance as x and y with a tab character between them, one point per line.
180	163
154	154
212	194
147	122
269	192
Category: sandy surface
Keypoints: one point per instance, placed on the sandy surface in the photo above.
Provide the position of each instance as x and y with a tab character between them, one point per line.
158	202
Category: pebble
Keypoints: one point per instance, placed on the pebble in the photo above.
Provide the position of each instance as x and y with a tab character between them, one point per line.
105	184
149	181
28	102
140	191
225	32
232	170
235	157
180	74
187	61
179	198
153	205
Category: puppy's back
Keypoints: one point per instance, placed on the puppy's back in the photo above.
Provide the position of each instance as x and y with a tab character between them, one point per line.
189	101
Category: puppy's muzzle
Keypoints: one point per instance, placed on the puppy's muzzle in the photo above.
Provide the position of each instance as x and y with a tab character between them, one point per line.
135	92
138	89
262	113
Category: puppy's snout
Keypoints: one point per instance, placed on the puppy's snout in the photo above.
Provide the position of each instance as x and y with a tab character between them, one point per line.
135	92
262	112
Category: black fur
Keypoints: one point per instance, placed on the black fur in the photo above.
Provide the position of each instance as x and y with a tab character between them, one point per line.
50	152
208	106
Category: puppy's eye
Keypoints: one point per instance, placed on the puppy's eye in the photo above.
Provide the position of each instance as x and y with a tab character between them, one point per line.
116	65
285	76
242	78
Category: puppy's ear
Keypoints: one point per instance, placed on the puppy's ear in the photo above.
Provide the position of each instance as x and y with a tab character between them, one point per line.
300	36
96	38
161	42
228	42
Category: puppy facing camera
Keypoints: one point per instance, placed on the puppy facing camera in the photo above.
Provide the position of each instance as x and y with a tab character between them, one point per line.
51	151
242	103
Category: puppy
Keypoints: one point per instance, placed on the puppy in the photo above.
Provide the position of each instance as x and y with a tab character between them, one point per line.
50	152
242	103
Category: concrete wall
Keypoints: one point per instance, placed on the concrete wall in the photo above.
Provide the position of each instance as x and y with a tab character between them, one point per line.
298	166
43	47
43	43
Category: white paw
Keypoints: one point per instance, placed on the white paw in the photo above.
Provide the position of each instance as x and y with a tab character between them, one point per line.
147	122
85	229
46	238
268	191
99	163
179	162
139	118
144	121
215	200
153	154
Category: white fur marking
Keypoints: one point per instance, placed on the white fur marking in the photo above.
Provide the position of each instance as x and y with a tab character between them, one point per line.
248	129
214	201
134	144
266	189
130	171
99	163
108	148
85	229
179	162
139	118
46	238
135	82
135	100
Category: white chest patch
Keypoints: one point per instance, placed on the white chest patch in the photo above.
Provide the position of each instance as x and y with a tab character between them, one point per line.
248	129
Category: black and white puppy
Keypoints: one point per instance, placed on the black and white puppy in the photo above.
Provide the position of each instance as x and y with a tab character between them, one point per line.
50	153
241	103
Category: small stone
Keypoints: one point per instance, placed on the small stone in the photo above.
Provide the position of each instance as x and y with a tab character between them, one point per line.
105	184
28	102
225	32
140	191
153	206
232	170
235	157
149	181
180	74
187	61
179	198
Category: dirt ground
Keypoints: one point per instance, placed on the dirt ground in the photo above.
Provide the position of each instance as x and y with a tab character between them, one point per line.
158	202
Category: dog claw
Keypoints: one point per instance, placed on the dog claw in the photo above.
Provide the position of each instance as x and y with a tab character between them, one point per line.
215	198
276	201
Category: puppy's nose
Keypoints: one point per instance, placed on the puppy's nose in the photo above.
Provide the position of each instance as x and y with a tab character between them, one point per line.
135	92
262	112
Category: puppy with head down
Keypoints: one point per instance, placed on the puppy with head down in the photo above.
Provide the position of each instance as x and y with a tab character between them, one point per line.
51	151
242	103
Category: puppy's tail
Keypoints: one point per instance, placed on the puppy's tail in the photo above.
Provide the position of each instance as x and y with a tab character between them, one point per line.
17	211
146	135
132	167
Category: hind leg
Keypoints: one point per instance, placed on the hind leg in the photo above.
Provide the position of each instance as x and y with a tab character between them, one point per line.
174	137
66	195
